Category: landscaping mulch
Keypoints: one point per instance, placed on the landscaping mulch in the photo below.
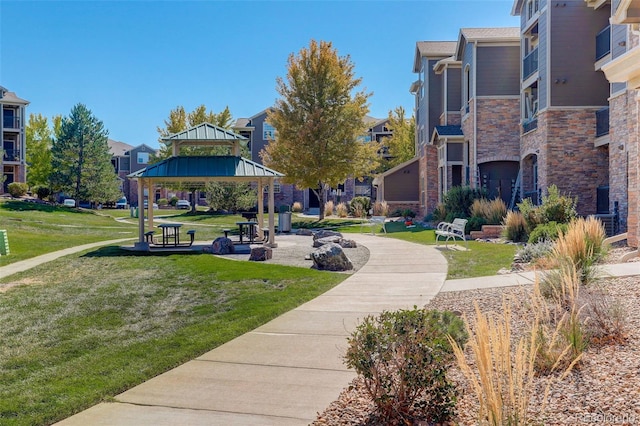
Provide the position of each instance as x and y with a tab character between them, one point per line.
603	389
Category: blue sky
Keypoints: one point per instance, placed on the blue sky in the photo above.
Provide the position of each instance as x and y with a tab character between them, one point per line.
131	62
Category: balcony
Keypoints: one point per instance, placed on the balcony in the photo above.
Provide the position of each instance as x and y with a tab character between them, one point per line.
11	122
529	125
530	64
602	122
603	43
11	155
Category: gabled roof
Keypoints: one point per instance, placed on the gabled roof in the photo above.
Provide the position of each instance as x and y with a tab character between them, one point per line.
491	35
118	148
11	98
242	123
205	132
206	167
449	132
432	49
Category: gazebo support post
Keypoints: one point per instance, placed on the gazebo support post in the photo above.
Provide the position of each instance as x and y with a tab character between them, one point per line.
260	209
150	206
272	232
141	244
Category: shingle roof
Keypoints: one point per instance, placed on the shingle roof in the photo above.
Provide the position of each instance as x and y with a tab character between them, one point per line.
11	98
436	48
214	166
491	33
117	147
450	130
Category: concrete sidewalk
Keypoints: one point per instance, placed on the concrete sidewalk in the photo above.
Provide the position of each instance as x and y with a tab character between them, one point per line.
290	369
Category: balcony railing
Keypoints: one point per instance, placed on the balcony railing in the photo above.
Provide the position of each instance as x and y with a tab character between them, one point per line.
11	122
602	122
530	64
603	43
11	155
530	125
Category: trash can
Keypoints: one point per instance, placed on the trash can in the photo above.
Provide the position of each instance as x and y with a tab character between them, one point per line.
284	220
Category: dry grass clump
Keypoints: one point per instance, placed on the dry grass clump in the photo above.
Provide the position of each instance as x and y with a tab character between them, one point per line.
380	208
515	227
342	210
296	207
328	208
493	211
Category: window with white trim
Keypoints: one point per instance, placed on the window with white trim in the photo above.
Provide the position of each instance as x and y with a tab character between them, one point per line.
268	132
143	158
276	188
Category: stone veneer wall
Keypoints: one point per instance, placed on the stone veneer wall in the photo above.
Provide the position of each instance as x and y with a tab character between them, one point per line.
633	148
567	157
428	179
498	129
620	133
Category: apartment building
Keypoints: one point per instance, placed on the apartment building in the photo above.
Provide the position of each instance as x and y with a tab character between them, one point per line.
622	69
127	159
467	112
12	128
260	132
564	96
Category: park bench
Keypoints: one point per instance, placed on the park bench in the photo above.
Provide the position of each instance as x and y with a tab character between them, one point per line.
451	231
192	234
148	236
377	220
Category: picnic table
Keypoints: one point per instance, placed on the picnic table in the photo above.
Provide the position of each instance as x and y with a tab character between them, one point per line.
250	232
170	232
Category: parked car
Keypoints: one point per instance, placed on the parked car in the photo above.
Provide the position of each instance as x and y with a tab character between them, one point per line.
69	202
146	204
183	204
122	203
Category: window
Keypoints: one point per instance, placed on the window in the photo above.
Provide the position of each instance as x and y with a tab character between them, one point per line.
276	188
532	8
530	103
268	132
467	87
143	157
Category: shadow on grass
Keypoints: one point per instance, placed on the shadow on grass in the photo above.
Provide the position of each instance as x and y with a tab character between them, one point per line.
117	251
41	206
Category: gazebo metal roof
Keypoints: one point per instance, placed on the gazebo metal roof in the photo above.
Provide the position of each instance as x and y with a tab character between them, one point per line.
211	167
205	134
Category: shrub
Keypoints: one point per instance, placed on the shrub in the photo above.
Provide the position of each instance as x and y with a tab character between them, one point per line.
439	213
328	208
459	199
163	202
408	213
360	206
17	189
42	192
556	207
296	207
173	201
515	227
342	210
380	208
533	251
547	231
403	357
530	214
475	224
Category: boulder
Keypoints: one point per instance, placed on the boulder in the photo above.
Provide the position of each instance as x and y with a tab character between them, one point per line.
331	257
222	245
304	231
260	254
323	233
344	243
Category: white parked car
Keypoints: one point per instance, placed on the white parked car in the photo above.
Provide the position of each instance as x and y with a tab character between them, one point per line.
183	204
122	203
69	202
146	204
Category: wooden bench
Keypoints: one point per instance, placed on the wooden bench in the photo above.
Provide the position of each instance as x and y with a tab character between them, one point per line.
192	234
451	231
377	220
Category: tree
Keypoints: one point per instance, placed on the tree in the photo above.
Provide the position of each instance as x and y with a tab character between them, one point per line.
180	120
38	155
318	121
230	196
401	145
81	160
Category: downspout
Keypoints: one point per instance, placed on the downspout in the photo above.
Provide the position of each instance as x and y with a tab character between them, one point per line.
445	95
475	110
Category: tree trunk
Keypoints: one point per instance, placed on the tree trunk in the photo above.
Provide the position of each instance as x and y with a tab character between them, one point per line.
320	193
193	201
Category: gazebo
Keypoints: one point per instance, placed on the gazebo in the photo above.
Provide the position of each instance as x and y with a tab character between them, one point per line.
202	169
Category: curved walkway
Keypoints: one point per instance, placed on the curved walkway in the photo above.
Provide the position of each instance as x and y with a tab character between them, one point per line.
291	368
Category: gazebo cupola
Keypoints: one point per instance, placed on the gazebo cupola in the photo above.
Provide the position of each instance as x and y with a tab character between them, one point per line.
208	135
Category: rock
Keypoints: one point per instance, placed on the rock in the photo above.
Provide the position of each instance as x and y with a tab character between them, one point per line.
325	233
304	232
331	257
222	245
336	240
260	254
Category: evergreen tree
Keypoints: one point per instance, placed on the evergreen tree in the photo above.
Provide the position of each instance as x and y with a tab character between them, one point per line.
318	120
81	160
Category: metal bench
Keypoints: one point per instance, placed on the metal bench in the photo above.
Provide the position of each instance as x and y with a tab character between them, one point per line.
451	231
192	234
148	237
377	220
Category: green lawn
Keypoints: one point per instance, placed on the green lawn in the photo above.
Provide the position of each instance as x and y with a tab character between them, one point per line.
90	326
